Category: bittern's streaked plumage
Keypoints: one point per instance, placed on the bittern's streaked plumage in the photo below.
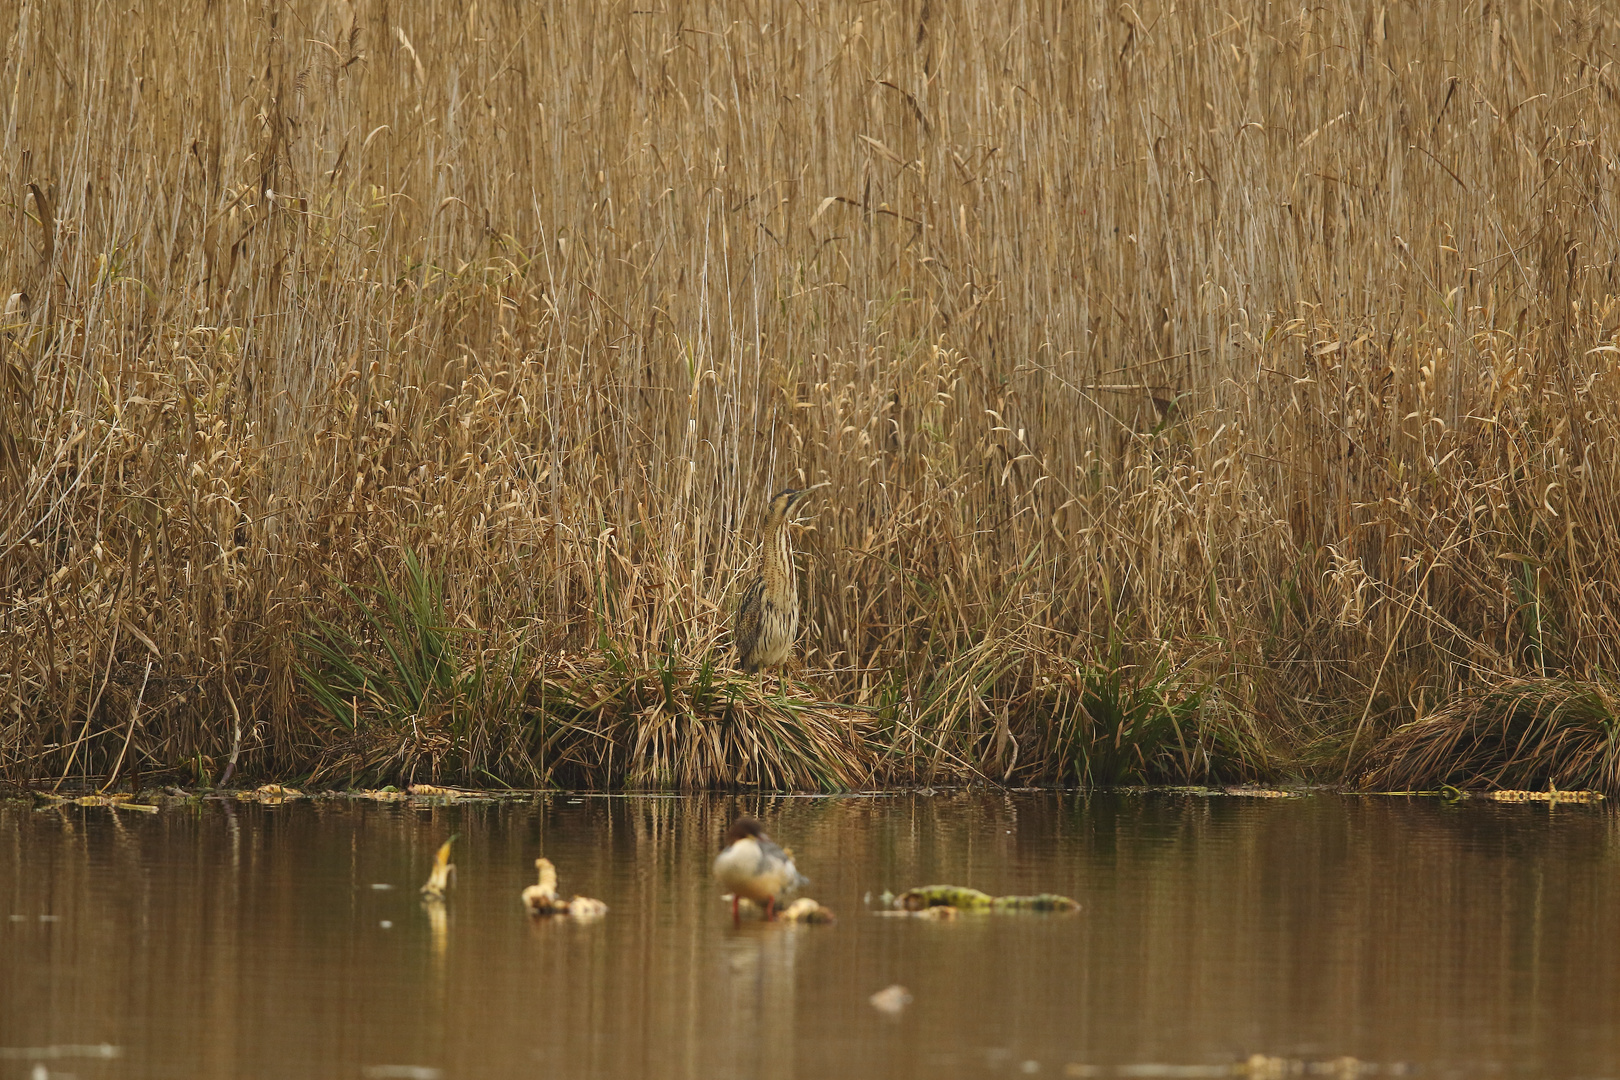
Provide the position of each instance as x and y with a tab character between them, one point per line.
768	613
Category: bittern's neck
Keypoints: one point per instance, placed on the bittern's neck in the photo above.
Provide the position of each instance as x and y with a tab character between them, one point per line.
779	549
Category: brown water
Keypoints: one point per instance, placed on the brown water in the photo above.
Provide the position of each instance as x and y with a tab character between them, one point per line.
227	940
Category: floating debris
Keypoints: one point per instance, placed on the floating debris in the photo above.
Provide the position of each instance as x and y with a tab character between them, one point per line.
104	1051
435	794
1242	792
943	913
270	794
891	999
114	802
1038	902
439	880
1552	795
806	910
1256	1067
584	909
1175	1072
542	900
955	897
385	794
424	795
1266	1067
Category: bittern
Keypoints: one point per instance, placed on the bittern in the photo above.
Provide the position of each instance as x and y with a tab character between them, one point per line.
768	613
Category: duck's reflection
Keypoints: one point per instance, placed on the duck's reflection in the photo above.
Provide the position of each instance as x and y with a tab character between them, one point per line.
757	1021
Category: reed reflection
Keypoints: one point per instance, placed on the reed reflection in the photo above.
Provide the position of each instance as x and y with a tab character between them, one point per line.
215	939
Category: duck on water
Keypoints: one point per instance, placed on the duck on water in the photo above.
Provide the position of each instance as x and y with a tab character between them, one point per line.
753	867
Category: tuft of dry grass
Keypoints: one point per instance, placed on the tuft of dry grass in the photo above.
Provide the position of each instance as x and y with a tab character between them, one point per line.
1521	734
686	723
1271	351
409	696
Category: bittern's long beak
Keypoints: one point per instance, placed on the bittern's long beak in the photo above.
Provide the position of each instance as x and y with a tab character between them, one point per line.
804	493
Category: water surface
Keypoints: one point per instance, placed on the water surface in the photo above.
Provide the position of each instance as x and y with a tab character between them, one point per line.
1331	935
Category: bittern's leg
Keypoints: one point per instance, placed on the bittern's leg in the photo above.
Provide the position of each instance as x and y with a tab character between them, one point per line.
736	919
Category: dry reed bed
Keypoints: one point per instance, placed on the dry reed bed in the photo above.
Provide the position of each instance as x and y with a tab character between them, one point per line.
1259	359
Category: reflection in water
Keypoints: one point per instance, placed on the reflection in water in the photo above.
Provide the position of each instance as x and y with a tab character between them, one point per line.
439	927
759	1003
1326	936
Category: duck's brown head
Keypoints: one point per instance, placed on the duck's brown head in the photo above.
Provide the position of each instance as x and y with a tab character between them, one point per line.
744	826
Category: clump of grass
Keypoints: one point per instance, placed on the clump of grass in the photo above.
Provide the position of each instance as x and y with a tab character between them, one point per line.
1108	726
407	697
1518	733
399	688
689	723
1007	714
